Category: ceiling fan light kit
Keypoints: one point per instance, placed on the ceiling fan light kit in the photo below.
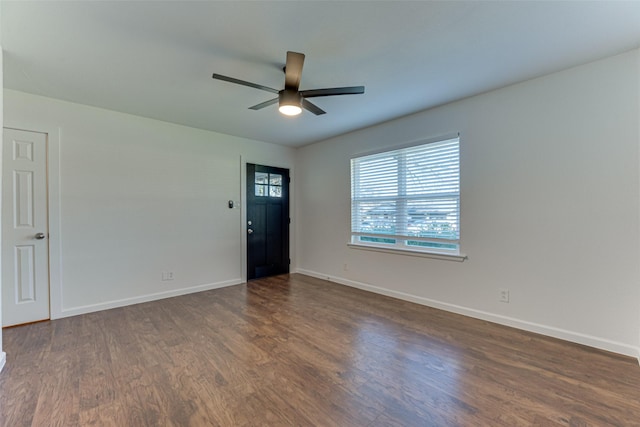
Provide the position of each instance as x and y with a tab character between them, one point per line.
291	100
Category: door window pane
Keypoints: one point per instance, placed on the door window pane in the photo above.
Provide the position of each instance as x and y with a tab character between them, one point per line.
275	191
262	178
275	179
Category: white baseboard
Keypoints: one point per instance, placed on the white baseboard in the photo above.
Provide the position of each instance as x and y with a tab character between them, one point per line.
576	337
3	359
68	312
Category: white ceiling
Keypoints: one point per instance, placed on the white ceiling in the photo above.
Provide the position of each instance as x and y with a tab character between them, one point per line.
155	59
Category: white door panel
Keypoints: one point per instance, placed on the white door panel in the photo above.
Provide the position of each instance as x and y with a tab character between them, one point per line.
25	249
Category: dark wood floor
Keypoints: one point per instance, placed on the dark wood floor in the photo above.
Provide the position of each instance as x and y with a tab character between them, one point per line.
294	350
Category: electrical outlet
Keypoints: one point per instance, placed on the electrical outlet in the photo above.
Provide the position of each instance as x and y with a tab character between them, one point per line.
345	267
167	275
503	295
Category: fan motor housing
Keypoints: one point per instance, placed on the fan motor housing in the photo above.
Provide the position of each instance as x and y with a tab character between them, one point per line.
289	97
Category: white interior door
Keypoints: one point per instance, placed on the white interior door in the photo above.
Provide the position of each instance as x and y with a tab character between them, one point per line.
25	247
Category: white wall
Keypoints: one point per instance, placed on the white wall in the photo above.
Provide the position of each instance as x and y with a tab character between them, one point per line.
550	207
133	197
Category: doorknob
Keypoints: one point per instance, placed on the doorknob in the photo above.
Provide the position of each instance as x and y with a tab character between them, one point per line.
39	236
249	231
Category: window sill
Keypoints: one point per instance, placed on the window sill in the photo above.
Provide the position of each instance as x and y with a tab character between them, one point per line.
434	255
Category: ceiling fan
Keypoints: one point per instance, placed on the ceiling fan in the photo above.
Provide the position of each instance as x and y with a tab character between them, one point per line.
291	100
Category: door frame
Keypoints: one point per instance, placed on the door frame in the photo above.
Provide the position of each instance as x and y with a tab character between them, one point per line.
243	215
53	209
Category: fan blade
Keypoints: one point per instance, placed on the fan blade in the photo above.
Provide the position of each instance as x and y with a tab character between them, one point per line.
293	70
351	90
312	107
264	104
243	83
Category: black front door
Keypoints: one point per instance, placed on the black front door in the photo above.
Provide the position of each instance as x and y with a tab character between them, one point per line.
267	221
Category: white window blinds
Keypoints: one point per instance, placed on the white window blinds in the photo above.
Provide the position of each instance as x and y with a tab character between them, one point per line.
408	198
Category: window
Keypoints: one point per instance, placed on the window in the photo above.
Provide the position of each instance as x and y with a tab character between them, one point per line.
268	184
408	198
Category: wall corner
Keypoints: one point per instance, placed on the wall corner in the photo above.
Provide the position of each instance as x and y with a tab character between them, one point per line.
3	357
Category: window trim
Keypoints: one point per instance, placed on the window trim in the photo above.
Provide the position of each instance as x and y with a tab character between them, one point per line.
414	143
434	253
459	257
